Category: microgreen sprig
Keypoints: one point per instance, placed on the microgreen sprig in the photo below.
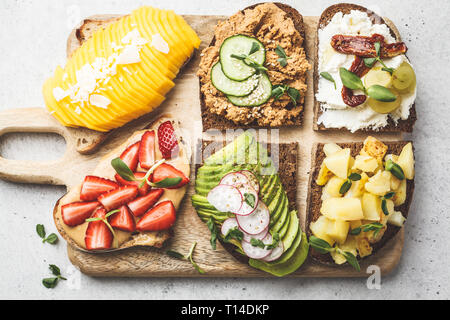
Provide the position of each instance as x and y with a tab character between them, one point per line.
105	220
324	247
279	89
234	233
260	244
190	257
51	282
283	58
377	92
375	227
328	77
248	60
348	183
212	228
52	237
369	62
387	196
395	169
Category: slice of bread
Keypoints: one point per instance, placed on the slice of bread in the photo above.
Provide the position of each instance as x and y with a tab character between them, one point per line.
214	121
315	192
325	18
287	171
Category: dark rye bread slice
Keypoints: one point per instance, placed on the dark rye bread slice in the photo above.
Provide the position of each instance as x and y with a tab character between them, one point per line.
315	193
214	121
287	170
402	125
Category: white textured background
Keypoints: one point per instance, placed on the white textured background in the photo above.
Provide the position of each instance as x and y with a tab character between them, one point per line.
33	38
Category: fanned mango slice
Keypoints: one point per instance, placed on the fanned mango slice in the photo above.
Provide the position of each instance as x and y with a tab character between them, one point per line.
122	72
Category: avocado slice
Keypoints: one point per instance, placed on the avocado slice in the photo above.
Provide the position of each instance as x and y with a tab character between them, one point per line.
283	267
285	227
291	233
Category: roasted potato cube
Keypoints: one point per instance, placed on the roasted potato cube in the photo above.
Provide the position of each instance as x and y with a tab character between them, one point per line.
371	205
347	209
374	148
406	161
324	175
320	227
338	230
379	184
400	194
338	163
330	148
365	163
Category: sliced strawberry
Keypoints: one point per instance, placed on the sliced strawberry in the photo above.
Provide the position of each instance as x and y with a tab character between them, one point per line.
165	170
160	217
76	213
140	205
118	197
131	155
123	220
139	175
98	236
93	187
147	150
167	140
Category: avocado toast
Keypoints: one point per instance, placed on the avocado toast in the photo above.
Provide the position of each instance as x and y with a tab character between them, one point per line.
383	208
278	221
340	27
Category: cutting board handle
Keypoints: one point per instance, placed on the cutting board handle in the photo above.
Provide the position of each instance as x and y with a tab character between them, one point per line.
25	171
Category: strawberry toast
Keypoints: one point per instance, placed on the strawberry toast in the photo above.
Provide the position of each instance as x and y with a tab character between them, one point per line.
132	196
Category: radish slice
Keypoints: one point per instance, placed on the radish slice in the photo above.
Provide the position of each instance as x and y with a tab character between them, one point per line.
235	179
255	222
248	237
257	252
225	198
229	224
276	253
246	208
254	183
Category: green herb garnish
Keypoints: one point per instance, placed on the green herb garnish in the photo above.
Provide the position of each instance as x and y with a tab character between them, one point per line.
324	247
234	233
369	62
377	92
348	183
328	77
384	208
190	257
376	227
279	89
250	199
105	220
212	228
52	282
283	58
249	61
258	243
395	169
52	237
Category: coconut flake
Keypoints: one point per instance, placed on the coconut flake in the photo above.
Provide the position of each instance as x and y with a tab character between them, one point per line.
129	55
99	101
59	94
160	44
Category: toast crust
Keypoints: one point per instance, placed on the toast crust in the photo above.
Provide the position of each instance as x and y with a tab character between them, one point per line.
326	16
314	201
213	121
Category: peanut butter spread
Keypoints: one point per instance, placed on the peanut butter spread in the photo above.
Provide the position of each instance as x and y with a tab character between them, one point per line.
273	27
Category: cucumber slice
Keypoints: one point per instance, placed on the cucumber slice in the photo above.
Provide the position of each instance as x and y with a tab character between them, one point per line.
231	87
236	69
258	96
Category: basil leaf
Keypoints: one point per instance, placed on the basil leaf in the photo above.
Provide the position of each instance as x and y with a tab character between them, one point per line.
40	230
350	80
255	47
175	254
250	199
294	94
381	93
351	259
52	238
354	176
257	243
389	195
356	231
377	46
167	182
50	282
234	233
212	228
320	245
369	62
122	169
395	169
328	77
345	187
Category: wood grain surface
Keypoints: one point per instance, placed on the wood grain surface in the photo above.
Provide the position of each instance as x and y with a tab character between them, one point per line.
183	103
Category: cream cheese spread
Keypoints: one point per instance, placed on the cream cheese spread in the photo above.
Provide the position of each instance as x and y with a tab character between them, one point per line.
335	113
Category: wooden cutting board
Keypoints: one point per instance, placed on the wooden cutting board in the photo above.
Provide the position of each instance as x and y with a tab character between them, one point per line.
183	103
